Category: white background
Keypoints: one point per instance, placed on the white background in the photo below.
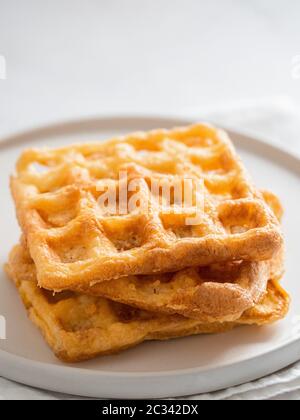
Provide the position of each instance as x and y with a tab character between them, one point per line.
72	58
69	58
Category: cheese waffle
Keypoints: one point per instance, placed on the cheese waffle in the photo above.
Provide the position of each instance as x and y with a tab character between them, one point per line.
221	292
79	327
74	243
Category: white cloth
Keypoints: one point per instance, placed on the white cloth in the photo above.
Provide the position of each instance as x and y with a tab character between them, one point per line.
278	121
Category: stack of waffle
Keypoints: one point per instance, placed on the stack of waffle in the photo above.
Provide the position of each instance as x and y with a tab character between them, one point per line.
99	276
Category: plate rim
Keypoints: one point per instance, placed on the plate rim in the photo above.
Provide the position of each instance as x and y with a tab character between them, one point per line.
167	373
281	152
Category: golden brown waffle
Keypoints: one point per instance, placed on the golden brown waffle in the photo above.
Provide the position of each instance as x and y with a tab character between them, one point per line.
274	203
217	293
79	327
221	292
75	244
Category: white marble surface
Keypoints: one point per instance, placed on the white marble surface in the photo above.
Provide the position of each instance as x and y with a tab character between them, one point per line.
70	58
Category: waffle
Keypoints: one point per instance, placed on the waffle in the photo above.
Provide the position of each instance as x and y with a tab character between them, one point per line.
221	292
79	327
74	243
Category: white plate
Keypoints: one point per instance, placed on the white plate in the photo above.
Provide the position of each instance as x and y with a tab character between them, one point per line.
157	369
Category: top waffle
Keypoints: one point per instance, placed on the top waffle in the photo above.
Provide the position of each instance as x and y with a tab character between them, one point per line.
76	242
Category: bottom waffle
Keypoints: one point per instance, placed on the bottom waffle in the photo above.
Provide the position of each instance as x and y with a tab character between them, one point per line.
79	327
